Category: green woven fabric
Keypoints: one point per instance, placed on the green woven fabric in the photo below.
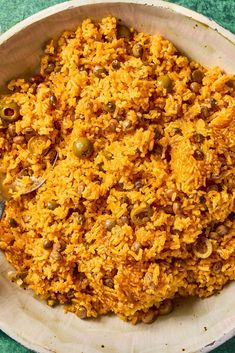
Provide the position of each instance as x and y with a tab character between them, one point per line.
13	11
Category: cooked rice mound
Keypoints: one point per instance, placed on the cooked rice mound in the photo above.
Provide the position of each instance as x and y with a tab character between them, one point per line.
149	215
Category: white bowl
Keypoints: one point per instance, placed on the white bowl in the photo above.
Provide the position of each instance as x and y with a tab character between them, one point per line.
32	322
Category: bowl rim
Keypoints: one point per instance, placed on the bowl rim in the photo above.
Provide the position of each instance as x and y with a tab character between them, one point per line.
54	9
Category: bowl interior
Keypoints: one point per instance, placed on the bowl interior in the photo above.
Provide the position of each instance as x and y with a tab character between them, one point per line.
31	321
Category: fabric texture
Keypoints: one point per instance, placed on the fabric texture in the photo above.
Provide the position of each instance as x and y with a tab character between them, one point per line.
222	11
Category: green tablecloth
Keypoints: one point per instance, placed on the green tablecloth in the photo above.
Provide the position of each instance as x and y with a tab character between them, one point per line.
13	11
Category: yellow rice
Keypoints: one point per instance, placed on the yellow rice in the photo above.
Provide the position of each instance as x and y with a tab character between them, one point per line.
130	270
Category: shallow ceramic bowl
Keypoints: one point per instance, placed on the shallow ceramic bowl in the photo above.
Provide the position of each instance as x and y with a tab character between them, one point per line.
196	325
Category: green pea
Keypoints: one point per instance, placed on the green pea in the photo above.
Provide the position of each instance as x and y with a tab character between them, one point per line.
110	107
99	71
165	82
137	50
109	224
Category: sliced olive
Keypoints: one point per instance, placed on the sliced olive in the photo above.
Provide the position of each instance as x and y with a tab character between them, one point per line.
82	147
217	267
9	112
38	145
123	32
141	215
203	248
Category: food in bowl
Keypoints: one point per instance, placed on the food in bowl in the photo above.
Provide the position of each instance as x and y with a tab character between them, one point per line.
117	168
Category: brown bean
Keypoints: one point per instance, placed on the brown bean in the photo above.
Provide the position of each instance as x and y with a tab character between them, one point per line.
157	149
19	140
166	307
212	187
157	134
222	230
128	125
176	208
170	192
28	131
136	246
50	67
123	220
37	79
81	312
198	155
138	184
108	282
109	224
195	87
231	216
12	130
55	255
205	112
47	244
12	223
176	131
197	76
197	138
53	100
